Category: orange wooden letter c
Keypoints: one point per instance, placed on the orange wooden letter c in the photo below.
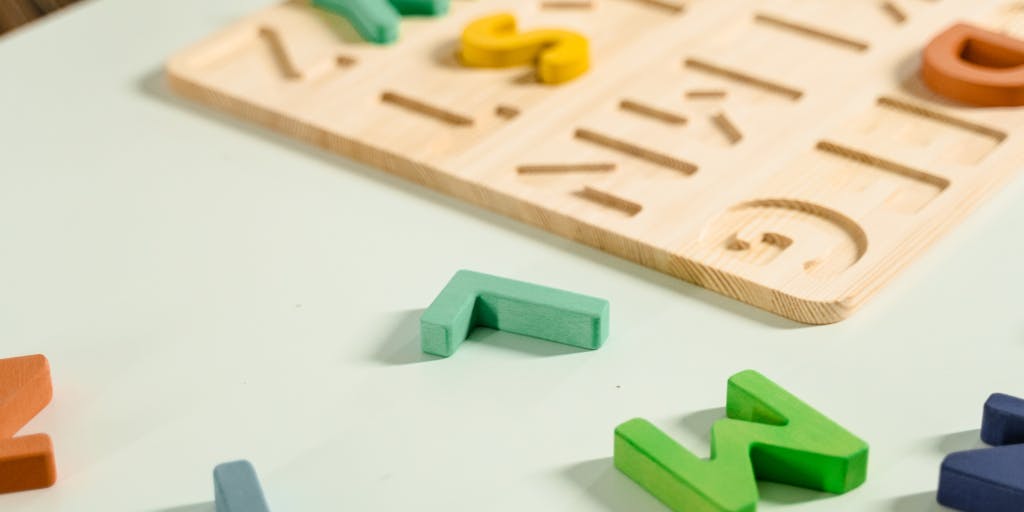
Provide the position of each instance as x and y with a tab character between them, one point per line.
976	66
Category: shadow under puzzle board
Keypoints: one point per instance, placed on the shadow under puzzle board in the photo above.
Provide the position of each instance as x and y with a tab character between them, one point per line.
781	152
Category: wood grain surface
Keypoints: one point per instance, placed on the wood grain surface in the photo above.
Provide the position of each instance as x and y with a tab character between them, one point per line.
14	13
785	153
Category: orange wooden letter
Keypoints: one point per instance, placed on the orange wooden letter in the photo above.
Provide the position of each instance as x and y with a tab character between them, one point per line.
976	66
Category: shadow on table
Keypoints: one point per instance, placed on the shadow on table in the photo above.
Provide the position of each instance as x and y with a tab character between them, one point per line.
945	445
154	86
699	423
614	491
195	507
402	344
919	502
610	489
958	442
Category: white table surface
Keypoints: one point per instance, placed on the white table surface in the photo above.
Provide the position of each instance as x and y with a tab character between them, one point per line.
208	291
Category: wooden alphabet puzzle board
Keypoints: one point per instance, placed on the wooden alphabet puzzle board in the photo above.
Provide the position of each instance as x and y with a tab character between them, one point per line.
781	152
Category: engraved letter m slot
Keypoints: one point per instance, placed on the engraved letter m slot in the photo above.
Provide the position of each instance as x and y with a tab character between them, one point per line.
769	435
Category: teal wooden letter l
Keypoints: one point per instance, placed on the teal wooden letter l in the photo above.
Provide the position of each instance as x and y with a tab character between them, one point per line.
473	299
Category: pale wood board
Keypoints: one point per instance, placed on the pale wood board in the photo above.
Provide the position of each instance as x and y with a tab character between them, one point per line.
781	152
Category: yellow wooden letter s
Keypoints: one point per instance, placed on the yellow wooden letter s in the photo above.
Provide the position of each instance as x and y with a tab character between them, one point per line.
493	42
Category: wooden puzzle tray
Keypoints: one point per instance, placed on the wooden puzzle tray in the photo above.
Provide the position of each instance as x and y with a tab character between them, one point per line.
781	152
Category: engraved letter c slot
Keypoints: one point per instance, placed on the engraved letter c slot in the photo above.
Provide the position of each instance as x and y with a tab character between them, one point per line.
976	66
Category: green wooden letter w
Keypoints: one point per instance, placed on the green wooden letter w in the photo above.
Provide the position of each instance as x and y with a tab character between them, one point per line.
769	435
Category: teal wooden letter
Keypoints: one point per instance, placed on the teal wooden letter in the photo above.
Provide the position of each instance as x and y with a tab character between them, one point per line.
769	435
472	299
421	7
377	20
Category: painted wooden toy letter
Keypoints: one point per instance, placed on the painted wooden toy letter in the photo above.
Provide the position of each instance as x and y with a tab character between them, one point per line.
26	462
377	20
769	435
989	479
976	66
237	488
494	42
473	299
